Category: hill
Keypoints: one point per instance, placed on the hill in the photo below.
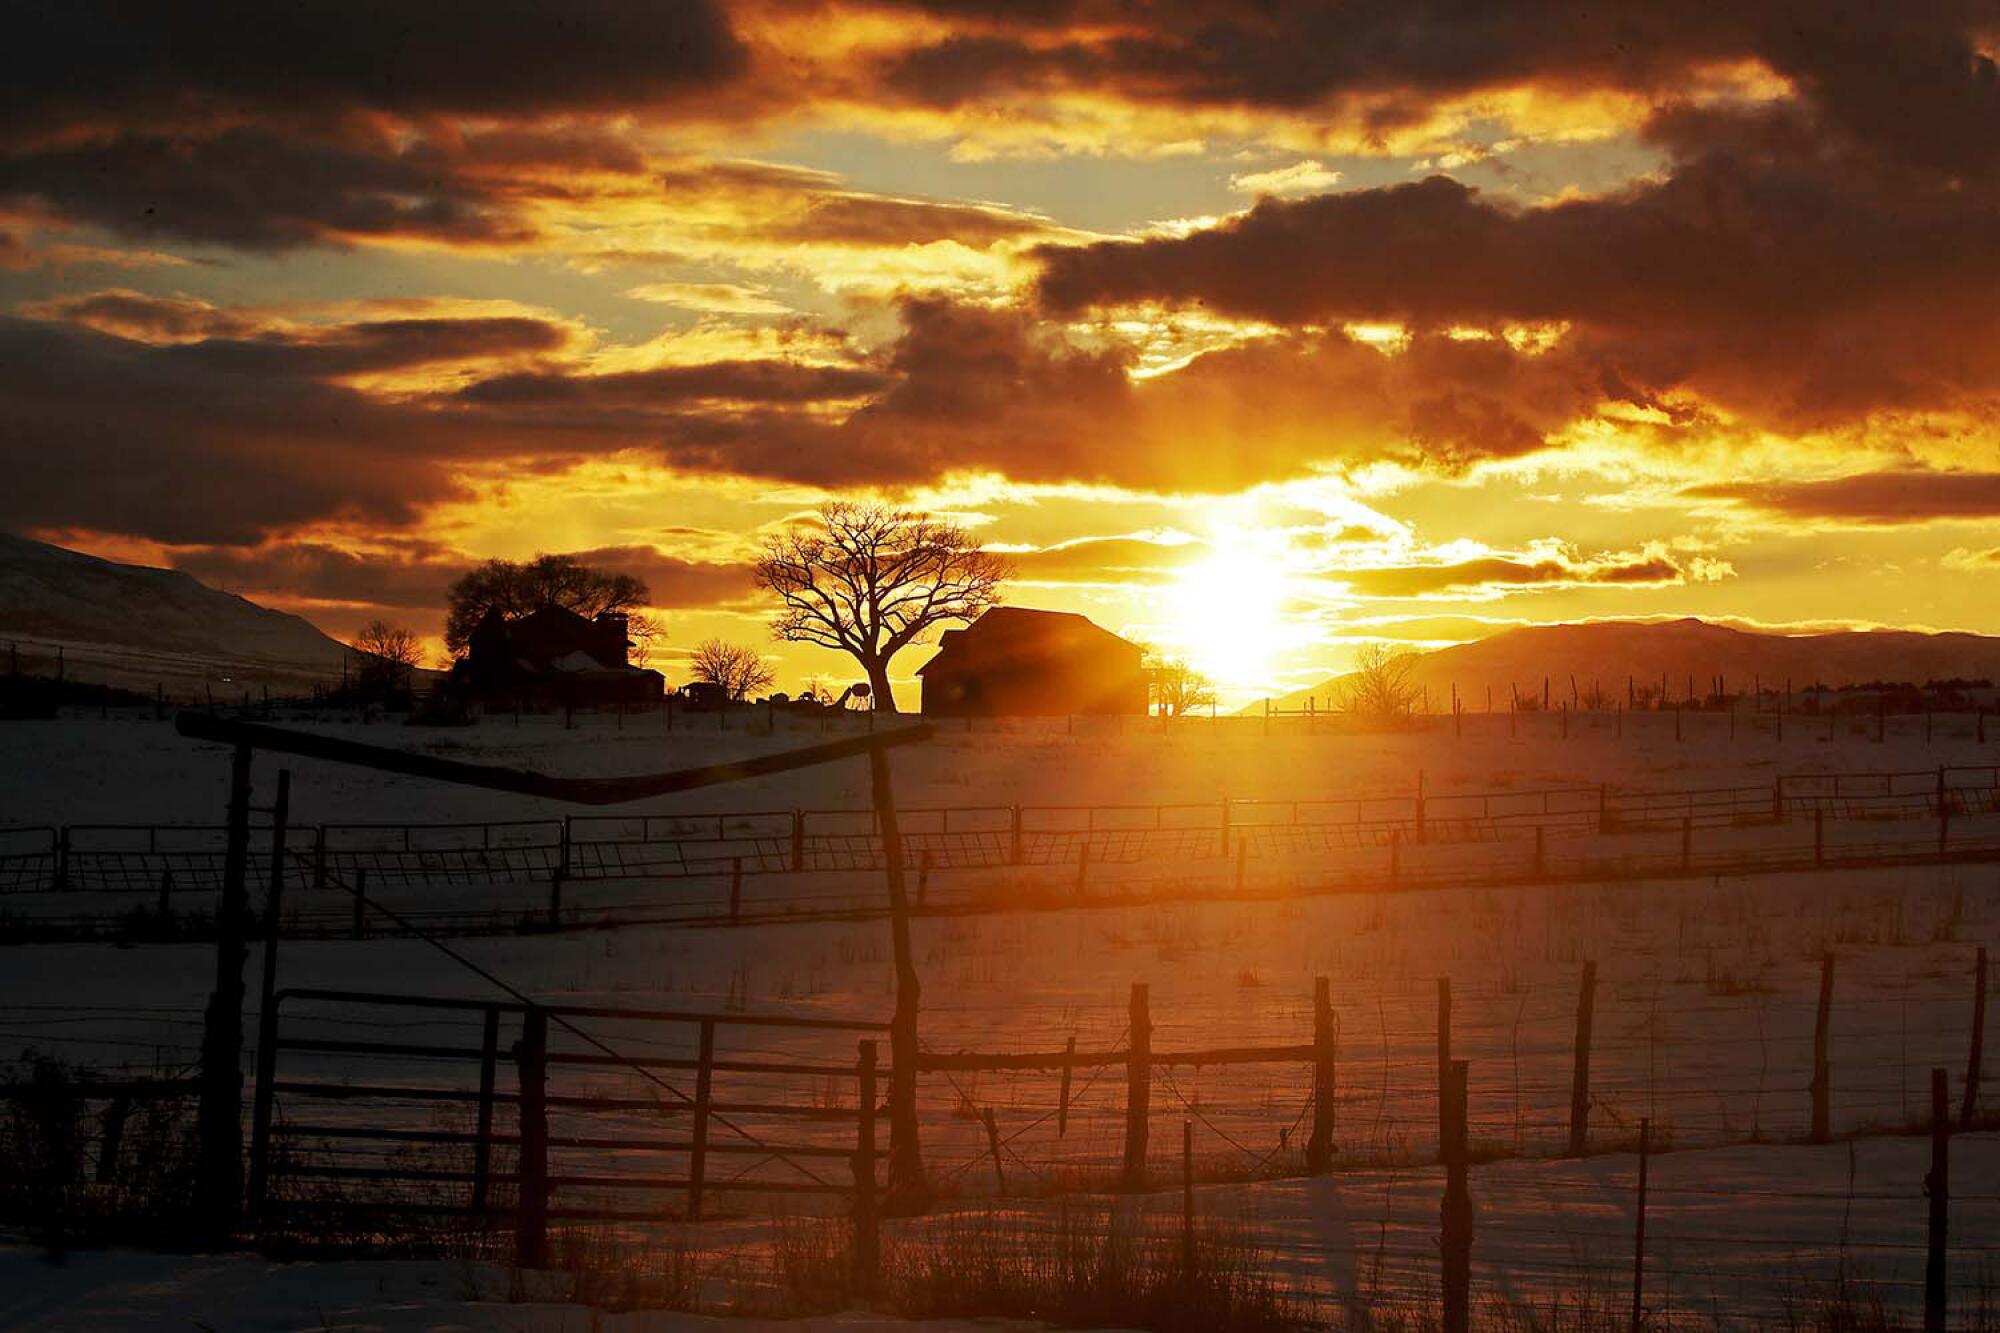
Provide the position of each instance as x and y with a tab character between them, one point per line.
136	627
1610	652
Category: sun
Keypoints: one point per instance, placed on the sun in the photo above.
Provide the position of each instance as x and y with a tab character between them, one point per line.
1227	616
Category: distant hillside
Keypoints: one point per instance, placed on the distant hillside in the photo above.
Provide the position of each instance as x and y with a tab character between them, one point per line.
131	625
1610	652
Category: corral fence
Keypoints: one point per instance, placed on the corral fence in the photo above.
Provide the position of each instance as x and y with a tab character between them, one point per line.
164	860
387	1109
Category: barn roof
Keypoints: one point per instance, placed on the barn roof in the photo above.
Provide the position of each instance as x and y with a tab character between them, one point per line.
1018	631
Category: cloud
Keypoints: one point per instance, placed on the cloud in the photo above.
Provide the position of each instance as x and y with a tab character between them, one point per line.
718	298
1298	178
1971	562
92	60
1874	499
1118	561
1513	573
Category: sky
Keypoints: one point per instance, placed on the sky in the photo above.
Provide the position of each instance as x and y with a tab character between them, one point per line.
1255	331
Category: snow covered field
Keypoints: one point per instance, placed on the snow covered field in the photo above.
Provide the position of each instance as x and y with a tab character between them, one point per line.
1705	1007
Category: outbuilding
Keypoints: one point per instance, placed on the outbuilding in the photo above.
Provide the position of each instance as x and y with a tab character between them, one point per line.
1017	661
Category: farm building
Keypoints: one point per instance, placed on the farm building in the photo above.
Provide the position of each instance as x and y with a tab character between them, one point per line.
554	656
1022	662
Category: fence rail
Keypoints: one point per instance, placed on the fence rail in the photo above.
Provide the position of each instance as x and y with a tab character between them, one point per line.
139	858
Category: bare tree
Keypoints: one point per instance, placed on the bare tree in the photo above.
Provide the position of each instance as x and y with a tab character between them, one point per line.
644	631
1177	688
1383	683
737	668
869	581
389	654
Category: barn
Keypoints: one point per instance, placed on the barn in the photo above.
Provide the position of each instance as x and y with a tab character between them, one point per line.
1016	661
555	657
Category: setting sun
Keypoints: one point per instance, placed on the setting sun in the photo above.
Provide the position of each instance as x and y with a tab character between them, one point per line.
1228	617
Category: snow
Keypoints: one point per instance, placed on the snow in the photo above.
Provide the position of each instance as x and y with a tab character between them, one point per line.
1704	1018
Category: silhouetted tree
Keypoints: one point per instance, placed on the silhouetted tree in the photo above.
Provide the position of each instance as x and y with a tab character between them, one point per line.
515	588
1382	683
644	631
737	668
389	654
869	580
1178	688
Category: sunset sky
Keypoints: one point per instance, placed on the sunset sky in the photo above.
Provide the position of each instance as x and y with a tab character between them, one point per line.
1252	330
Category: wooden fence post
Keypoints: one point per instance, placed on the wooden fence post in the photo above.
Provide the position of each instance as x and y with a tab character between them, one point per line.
987	1118
1083	866
1973	1059
482	1143
1242	854
1187	1198
1062	1097
319	859
798	841
219	1119
1444	1065
531	1214
1579	1083
166	904
1639	1231
704	1089
867	1234
735	889
923	876
1937	1184
906	1161
1456	1213
1223	830
1319	1148
1138	1088
360	923
555	900
1422	836
1395	855
267	995
1822	1080
1014	835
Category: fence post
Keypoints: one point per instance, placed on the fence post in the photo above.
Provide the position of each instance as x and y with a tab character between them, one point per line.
735	889
562	848
1819	836
1603	809
531	1215
319	858
1973	1059
1223	830
1014	835
166	892
923	876
1187	1199
1420	807
906	1161
1242	854
1319	1148
1639	1231
1937	1184
1062	1097
1687	843
986	1118
1082	865
867	1235
360	930
1579	1084
1395	855
267	995
1943	809
704	1087
1138	1088
555	900
219	1119
482	1143
1822	1076
1456	1214
62	859
798	841
1444	1066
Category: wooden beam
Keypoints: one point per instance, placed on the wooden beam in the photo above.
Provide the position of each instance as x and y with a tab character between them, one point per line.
581	791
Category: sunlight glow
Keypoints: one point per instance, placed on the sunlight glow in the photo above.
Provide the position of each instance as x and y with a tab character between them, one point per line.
1228	616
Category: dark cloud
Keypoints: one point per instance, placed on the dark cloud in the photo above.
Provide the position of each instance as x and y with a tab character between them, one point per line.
1908	79
258	189
669	387
1876	498
867	220
88	61
1420	580
412	576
